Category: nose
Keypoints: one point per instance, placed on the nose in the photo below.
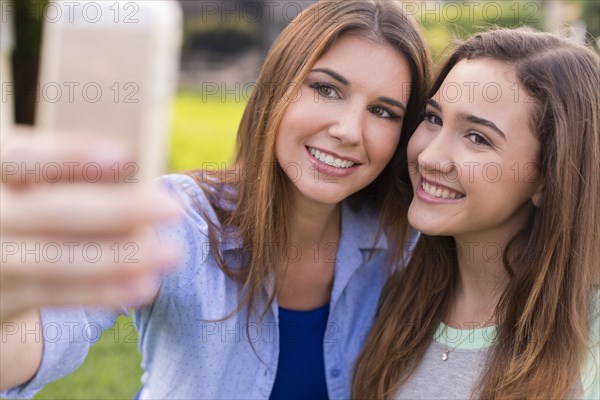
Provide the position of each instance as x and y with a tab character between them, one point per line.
436	157
348	125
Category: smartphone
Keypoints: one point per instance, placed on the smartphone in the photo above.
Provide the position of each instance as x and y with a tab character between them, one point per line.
110	67
6	84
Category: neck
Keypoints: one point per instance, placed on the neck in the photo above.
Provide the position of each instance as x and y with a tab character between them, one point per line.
312	222
307	276
482	279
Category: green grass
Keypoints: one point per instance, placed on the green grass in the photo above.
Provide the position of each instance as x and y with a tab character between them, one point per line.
202	131
111	371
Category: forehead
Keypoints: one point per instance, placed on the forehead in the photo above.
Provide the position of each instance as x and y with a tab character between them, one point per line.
369	64
488	89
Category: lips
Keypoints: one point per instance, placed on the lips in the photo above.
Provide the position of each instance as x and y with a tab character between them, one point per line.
330	159
331	164
439	191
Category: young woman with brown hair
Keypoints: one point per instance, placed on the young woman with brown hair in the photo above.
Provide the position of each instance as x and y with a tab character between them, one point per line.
294	243
500	298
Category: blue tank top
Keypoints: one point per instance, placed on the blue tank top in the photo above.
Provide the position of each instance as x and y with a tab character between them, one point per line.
301	367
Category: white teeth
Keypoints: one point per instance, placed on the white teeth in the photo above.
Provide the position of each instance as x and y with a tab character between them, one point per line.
439	192
330	160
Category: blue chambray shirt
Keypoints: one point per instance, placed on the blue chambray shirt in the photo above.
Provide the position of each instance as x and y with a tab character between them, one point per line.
186	354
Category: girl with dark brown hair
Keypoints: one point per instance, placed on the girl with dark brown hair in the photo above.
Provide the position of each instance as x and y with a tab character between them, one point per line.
500	298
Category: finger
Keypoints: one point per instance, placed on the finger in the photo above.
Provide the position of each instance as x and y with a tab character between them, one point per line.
34	156
110	293
82	262
83	209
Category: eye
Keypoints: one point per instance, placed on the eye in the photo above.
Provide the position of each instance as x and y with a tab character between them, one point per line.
383	112
325	90
478	139
433	118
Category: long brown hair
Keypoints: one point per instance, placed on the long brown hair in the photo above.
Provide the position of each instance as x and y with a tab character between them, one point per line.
260	195
545	310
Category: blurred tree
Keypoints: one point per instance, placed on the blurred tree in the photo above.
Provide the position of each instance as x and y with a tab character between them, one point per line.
444	21
591	17
28	16
221	27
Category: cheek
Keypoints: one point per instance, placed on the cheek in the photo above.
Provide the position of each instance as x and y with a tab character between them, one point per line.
279	156
380	141
416	145
279	141
283	143
287	130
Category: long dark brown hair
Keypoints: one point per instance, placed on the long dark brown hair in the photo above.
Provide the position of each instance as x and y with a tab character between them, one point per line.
258	196
553	264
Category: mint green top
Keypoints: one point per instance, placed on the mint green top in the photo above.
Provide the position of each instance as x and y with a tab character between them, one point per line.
456	377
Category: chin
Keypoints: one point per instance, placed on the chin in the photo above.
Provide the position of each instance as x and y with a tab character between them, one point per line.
426	226
427	230
323	197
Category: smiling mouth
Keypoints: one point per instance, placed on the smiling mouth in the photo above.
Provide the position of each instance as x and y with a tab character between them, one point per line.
330	159
439	191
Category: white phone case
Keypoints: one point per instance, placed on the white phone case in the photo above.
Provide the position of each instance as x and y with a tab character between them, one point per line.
110	68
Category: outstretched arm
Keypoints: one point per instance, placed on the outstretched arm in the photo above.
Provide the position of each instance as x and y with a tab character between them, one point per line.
70	240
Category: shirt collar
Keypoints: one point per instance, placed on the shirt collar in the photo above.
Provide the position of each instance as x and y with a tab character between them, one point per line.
358	226
231	240
357	240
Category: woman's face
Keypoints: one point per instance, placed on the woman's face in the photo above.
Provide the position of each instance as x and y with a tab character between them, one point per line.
343	126
473	160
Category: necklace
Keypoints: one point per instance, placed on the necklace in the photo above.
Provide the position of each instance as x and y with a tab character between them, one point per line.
450	350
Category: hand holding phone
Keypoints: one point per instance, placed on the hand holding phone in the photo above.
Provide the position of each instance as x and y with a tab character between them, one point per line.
71	232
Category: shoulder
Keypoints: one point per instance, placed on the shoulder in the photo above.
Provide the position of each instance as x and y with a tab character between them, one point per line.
192	229
176	182
199	201
190	233
187	191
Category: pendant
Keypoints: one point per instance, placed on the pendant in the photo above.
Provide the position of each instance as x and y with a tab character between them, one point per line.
445	356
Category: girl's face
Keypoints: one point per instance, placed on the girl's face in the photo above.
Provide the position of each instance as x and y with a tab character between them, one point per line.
473	160
343	126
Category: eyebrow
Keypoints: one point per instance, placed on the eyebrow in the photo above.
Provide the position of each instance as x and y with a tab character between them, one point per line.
471	118
392	102
333	74
345	82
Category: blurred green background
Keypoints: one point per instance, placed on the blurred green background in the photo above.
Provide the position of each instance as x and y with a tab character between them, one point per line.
204	127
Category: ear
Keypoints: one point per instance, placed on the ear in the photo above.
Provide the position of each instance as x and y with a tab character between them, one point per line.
536	199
